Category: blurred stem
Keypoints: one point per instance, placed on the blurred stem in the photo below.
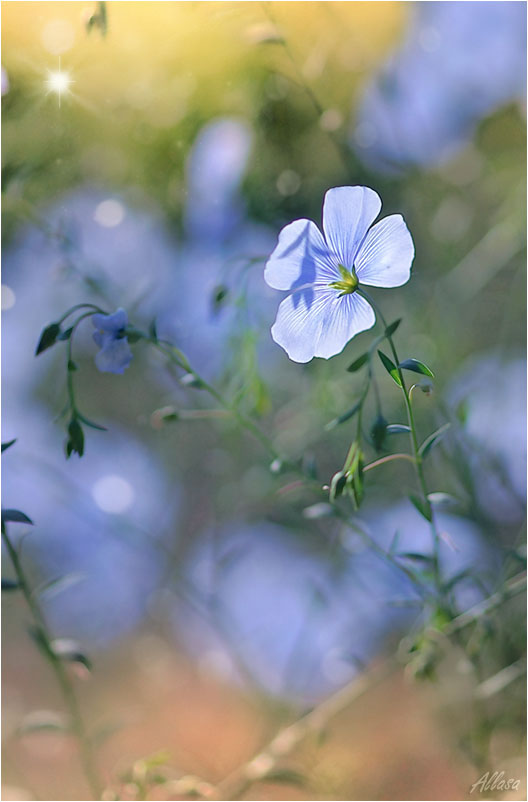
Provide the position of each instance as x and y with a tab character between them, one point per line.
57	665
178	359
69	355
418	462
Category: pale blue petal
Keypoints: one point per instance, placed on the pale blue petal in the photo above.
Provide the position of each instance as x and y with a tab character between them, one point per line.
385	258
114	356
318	322
300	258
347	214
111	323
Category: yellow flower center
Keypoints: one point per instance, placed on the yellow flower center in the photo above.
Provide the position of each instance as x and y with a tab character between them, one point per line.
349	282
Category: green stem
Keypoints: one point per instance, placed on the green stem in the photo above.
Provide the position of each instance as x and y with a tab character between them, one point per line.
414	443
69	356
242	419
68	692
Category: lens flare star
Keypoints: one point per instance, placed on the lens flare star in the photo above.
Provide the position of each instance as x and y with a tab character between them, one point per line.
58	82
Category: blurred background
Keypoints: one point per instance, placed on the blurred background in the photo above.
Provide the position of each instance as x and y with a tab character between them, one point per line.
151	153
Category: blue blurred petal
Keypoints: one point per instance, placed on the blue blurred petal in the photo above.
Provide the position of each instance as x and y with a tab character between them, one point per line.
301	257
114	356
318	322
111	323
347	214
385	258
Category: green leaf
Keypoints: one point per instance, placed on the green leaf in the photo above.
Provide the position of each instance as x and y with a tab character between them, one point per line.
417	367
10	584
345	416
432	440
189	380
75	443
7	445
390	367
442	500
66	334
42	721
422	508
377	432
134	335
284	776
153	331
358	363
55	586
398	428
15	516
337	485
220	293
72	367
91	423
391	328
48	338
70	650
415	555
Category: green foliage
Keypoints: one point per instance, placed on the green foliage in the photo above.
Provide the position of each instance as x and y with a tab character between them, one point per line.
390	367
416	366
48	338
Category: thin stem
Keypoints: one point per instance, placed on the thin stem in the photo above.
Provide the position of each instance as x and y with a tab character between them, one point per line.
414	442
67	689
243	420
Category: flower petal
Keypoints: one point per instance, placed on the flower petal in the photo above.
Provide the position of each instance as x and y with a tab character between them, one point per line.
114	356
300	258
347	214
385	258
111	323
316	321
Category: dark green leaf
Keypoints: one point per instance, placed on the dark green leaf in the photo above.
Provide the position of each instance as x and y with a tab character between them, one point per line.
70	650
287	776
133	335
422	507
15	516
398	428
390	367
189	380
358	363
153	331
432	440
48	337
414	555
391	328
337	485
10	584
417	367
345	416
72	366
7	445
66	334
220	293
377	432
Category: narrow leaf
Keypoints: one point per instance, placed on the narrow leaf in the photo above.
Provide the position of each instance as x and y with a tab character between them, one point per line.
76	438
66	334
390	367
391	328
398	428
7	445
358	363
48	338
422	508
70	650
344	417
417	367
10	584
15	516
433	440
55	586
415	555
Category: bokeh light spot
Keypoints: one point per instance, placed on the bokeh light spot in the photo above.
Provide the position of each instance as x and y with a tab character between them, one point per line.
8	297
58	36
113	494
109	213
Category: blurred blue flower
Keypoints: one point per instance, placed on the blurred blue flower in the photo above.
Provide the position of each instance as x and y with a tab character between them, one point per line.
324	311
115	354
460	61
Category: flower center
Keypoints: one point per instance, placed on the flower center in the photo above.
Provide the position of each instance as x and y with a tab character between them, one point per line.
349	281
